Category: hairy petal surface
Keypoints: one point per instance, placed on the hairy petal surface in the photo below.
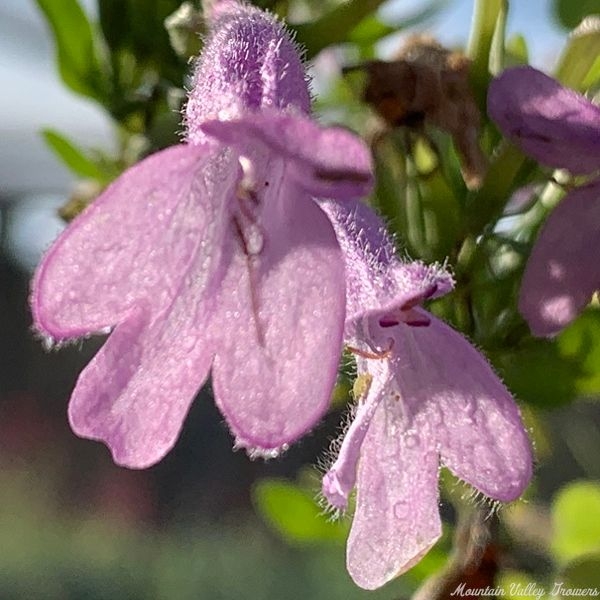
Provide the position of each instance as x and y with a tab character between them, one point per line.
280	327
377	282
397	516
136	391
134	242
249	63
472	415
553	124
563	270
328	162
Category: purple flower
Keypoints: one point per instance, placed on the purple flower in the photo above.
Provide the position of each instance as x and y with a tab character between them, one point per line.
428	395
212	256
561	129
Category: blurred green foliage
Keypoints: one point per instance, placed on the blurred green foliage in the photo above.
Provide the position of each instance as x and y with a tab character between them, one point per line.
292	511
569	14
76	49
576	521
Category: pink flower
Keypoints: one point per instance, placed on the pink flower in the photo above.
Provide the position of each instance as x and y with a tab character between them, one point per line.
428	396
561	129
212	256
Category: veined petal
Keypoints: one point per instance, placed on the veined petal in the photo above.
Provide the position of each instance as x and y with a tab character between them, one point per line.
134	242
136	392
553	124
473	416
397	516
327	162
563	270
280	327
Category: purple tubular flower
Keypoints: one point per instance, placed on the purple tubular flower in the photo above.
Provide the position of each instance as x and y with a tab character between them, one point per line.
563	270
553	124
561	129
212	255
430	396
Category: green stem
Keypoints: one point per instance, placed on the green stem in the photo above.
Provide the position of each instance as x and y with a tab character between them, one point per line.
485	18
485	206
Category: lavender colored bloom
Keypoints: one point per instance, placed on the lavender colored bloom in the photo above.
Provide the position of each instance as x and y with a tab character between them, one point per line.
561	129
428	395
212	256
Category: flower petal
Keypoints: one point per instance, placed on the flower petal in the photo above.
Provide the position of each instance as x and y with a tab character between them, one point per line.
135	393
563	270
397	517
376	281
249	63
135	241
477	423
280	327
340	479
551	123
328	162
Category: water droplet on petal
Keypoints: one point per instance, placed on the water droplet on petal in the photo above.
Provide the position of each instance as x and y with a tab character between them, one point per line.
436	416
401	509
411	440
188	343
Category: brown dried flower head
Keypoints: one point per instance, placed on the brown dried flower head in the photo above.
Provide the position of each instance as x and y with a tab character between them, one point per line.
429	84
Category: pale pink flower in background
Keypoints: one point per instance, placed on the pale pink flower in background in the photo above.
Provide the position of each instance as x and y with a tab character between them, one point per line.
429	398
212	256
560	129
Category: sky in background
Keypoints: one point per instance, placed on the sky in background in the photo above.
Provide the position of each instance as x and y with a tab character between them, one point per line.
33	97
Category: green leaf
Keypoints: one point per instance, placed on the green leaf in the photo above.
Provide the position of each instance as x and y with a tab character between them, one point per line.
413	195
570	13
390	182
371	29
592	79
441	216
553	372
579	60
150	37
517	52
583	573
509	168
580	343
537	374
293	513
334	26
76	56
576	521
114	21
72	156
498	46
517	585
